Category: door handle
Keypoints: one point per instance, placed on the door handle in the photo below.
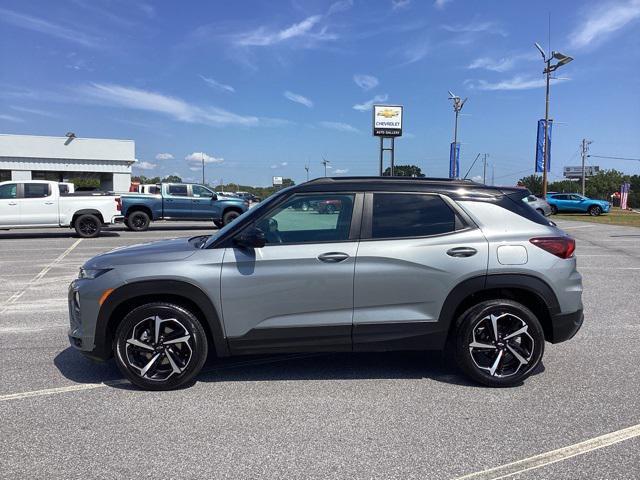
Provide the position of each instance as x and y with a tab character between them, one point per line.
333	257
462	252
12	203
48	203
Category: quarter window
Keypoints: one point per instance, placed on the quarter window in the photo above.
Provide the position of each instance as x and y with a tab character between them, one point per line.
178	190
9	190
309	219
36	190
397	215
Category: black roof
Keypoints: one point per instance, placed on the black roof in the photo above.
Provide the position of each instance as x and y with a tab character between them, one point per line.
452	187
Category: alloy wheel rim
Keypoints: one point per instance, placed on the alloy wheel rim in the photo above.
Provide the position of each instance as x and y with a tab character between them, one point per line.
159	348
501	345
88	227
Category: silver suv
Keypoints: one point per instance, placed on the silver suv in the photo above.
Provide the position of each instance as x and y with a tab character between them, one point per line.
398	264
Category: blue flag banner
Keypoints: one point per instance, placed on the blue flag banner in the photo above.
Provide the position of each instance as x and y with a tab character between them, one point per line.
540	146
454	160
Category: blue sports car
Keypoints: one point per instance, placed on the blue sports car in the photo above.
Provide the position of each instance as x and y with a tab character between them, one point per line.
573	202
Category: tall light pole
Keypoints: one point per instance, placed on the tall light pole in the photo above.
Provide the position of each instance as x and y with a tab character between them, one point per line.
562	60
202	158
306	167
585	154
457	106
325	162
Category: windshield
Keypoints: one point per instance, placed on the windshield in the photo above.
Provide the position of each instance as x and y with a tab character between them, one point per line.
249	213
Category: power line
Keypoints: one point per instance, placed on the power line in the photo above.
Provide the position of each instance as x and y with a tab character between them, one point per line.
615	158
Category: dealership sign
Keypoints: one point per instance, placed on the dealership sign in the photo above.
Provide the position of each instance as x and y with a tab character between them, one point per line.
576	172
387	120
277	181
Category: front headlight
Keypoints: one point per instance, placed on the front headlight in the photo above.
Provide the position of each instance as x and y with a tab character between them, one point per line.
91	272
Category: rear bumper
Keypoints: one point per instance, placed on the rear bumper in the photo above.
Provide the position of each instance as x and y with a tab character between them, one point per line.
565	326
117	219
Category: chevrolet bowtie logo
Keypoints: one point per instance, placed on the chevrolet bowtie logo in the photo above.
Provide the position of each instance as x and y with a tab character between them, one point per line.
387	113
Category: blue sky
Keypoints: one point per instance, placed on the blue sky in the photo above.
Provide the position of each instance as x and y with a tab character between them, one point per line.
265	87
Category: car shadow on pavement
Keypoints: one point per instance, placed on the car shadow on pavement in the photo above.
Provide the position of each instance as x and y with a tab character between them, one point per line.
53	234
304	366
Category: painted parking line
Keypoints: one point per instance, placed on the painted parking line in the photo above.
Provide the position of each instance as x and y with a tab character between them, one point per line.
16	296
122	381
537	461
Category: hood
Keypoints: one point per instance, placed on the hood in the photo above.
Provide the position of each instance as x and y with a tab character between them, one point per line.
160	251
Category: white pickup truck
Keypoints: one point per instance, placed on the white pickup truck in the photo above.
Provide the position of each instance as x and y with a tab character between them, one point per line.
39	204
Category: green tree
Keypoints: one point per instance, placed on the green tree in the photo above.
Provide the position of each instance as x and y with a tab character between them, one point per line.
405	171
172	179
533	183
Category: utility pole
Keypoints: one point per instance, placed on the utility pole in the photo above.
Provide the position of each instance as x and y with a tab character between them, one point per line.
306	167
484	169
325	162
585	154
202	157
493	175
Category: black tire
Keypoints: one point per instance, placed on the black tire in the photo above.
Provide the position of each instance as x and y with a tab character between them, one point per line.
554	210
218	223
87	226
176	363
475	325
138	221
229	216
595	210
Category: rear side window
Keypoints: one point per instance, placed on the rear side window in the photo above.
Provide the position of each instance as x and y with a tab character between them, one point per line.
178	190
397	215
10	190
36	190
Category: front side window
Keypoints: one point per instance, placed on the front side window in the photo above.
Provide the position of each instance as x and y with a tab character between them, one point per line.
178	190
309	219
36	190
10	190
200	191
397	215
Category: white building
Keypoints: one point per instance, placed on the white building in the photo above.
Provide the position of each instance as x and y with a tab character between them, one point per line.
61	159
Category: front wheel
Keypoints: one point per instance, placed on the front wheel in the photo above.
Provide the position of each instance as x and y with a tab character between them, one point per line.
499	343
595	210
87	226
554	210
160	346
230	216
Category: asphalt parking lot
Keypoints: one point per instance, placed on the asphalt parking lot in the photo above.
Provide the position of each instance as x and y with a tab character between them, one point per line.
400	415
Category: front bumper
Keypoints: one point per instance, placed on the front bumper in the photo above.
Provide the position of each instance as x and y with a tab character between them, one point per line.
565	326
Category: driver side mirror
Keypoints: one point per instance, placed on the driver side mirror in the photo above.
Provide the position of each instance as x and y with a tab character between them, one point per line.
251	238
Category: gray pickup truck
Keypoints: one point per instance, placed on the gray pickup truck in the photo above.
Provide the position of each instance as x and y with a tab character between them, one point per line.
180	201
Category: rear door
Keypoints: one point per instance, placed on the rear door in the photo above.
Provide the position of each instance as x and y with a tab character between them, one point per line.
38	204
414	249
295	293
176	201
9	205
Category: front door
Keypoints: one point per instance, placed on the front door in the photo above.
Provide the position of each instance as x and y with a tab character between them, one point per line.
204	205
414	250
38	206
177	202
295	293
9	206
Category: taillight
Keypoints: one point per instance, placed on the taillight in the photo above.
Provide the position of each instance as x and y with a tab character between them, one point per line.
118	204
562	247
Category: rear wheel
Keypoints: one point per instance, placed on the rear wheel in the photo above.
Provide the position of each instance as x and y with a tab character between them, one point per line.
499	343
138	221
87	226
595	210
230	216
160	346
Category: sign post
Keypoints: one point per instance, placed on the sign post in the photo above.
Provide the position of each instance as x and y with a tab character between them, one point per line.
387	123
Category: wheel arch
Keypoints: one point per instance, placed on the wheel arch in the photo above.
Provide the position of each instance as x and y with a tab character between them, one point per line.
86	211
531	291
140	208
125	298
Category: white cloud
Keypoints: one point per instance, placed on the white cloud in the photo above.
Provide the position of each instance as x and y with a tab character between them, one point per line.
284	164
365	82
476	27
415	52
294	97
516	83
366	106
138	99
34	111
396	4
477	178
278	165
342	127
217	85
495	65
145	165
602	21
164	156
262	37
10	118
195	160
340	171
440	4
47	28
